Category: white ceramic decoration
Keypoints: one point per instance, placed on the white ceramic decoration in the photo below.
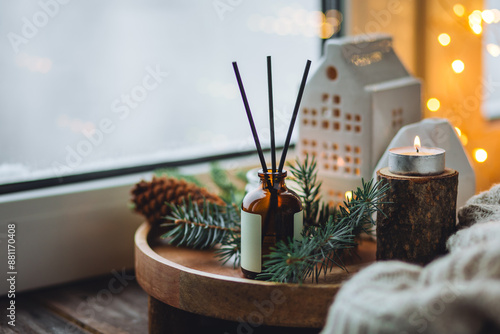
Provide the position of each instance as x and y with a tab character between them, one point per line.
356	100
438	132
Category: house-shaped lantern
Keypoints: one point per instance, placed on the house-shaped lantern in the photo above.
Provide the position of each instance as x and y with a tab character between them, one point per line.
357	99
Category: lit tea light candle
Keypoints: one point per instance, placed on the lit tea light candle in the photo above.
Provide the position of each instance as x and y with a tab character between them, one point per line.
416	160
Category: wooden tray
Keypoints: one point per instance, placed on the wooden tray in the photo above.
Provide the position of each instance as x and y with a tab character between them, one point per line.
195	281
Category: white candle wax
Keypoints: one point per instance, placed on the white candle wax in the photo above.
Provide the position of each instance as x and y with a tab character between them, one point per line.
407	161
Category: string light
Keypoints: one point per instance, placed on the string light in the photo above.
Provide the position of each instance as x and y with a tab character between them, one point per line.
463	138
477	29
326	30
297	21
475	19
493	49
496	15
480	155
458	66
459	10
433	104
488	16
348	195
444	39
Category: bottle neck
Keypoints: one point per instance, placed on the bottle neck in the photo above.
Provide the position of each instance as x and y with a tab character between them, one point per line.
274	180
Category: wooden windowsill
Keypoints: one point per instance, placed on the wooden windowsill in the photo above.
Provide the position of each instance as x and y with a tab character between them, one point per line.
103	305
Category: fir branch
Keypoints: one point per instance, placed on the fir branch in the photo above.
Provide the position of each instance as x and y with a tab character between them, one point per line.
315	212
230	250
229	192
295	261
326	234
358	211
201	227
241	175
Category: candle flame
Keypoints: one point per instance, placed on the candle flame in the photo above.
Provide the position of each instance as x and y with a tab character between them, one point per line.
416	143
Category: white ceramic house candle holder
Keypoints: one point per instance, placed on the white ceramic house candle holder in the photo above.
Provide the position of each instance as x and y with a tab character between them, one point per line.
355	102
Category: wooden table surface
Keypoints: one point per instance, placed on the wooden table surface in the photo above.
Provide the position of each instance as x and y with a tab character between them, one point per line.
113	304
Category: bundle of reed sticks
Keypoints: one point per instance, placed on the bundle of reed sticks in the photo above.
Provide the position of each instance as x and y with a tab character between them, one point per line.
271	118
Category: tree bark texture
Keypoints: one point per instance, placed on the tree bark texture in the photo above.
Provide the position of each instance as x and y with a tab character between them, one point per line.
419	217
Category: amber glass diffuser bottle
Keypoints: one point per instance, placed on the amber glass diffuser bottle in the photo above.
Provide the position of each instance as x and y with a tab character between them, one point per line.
270	213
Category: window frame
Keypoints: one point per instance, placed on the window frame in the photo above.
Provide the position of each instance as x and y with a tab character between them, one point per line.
14	187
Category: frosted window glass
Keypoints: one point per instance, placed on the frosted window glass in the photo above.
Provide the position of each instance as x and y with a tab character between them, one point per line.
94	85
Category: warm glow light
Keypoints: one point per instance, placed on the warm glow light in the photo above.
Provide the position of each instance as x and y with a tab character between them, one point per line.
458	66
475	17
477	28
493	49
480	155
459	9
326	30
433	104
315	19
444	39
464	139
496	15
488	16
416	143
348	195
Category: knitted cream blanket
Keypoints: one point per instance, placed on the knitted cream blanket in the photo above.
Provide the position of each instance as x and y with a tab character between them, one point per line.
457	293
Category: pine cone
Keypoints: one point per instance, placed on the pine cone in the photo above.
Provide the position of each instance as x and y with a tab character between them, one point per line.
150	198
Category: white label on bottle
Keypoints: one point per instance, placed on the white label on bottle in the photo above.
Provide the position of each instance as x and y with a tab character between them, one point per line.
251	241
298	225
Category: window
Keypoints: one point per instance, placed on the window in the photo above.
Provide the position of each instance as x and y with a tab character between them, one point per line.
98	85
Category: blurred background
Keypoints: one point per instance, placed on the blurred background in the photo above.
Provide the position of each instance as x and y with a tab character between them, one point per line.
95	85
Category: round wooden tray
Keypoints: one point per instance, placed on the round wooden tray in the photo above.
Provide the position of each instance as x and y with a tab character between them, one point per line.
195	281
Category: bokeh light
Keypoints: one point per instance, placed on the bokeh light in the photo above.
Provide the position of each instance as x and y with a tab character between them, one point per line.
458	66
459	9
348	195
493	49
480	154
444	39
433	104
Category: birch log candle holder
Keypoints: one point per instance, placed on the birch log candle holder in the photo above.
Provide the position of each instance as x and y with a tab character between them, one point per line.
420	207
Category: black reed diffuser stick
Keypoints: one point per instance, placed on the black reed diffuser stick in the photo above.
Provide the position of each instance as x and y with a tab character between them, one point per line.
250	118
294	116
271	113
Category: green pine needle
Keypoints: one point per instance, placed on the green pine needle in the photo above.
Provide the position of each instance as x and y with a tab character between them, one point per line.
317	253
229	192
315	212
230	250
326	234
201	227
